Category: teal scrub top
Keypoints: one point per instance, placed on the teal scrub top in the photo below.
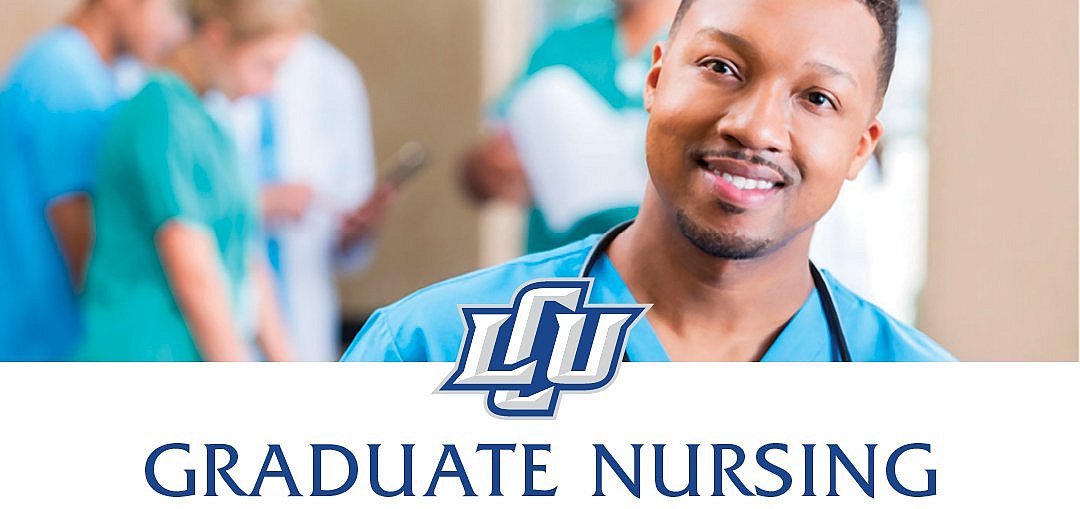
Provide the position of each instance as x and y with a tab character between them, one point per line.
165	159
427	326
54	105
595	50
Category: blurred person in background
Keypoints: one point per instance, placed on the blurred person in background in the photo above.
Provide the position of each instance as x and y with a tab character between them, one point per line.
310	145
588	80
54	105
176	273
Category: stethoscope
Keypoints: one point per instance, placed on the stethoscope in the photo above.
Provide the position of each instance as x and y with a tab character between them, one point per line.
832	316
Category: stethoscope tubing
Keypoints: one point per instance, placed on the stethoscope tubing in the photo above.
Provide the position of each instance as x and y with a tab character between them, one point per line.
828	305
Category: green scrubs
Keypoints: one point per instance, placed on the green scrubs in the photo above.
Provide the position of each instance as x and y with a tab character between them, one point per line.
596	51
164	159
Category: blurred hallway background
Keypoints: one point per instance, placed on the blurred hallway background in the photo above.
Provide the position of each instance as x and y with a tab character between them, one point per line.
1001	256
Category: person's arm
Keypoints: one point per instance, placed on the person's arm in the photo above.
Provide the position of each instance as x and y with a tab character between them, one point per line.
65	146
285	202
361	224
492	171
189	257
272	335
70	220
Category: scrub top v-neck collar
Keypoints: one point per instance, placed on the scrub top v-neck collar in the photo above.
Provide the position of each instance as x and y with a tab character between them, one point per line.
805	338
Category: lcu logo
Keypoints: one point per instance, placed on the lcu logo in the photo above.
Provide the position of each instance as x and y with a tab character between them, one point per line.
547	341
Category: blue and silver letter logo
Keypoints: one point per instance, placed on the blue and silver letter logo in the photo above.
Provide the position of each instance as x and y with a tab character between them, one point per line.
547	341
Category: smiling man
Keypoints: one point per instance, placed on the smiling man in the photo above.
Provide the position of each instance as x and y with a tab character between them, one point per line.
759	112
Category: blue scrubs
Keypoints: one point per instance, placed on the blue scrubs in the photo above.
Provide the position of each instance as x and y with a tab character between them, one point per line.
53	110
426	326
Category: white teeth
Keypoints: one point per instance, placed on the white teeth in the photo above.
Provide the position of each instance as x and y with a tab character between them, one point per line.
746	184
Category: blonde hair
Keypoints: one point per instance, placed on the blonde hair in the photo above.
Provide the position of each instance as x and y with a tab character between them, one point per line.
251	19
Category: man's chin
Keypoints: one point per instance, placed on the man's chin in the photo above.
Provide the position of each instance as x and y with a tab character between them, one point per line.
720	244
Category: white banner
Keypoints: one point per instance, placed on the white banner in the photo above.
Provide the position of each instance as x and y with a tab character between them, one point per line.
941	435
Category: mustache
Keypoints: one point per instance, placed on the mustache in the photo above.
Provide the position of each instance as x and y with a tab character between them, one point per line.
745	156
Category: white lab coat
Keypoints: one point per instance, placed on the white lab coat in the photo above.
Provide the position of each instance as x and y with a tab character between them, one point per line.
322	138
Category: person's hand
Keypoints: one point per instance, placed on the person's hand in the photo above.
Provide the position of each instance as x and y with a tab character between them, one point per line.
360	223
286	201
492	171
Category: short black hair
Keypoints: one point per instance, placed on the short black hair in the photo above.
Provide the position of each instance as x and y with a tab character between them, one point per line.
887	13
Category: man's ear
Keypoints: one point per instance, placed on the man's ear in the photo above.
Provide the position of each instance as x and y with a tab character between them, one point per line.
867	144
654	75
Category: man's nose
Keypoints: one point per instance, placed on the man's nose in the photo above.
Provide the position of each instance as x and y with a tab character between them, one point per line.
758	119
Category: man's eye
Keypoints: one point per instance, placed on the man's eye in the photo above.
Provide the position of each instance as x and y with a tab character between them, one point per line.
720	67
820	99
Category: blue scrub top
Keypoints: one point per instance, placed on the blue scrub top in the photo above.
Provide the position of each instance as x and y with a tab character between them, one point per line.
54	106
427	326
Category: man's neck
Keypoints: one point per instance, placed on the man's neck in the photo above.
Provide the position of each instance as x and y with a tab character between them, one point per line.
640	22
185	62
99	28
708	308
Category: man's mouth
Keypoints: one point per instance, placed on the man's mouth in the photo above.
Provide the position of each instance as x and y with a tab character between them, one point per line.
745	184
741	185
743	175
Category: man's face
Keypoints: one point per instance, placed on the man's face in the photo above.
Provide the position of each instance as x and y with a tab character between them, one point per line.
249	67
149	29
760	109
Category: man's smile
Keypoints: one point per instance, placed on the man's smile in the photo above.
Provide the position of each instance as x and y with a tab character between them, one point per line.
743	185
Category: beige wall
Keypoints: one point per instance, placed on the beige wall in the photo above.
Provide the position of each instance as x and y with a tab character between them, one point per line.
22	19
1002	282
421	60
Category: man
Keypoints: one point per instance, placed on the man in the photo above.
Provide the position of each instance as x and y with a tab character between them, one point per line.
760	109
576	109
54	105
311	144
